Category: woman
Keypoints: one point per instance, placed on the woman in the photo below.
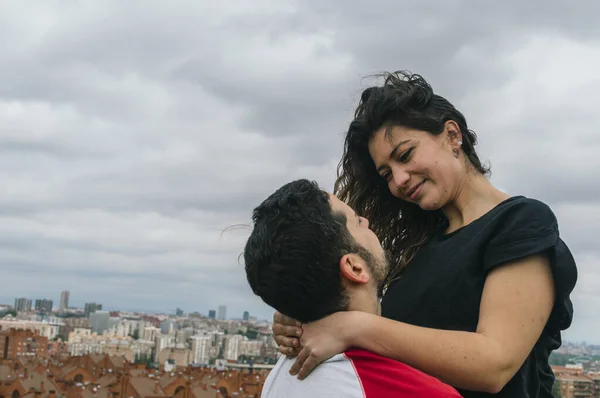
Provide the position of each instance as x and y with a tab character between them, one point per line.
478	291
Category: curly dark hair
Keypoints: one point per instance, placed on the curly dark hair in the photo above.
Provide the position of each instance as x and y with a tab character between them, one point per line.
406	100
292	256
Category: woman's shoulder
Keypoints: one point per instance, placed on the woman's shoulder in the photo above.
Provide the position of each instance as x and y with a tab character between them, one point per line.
523	215
526	226
518	215
524	206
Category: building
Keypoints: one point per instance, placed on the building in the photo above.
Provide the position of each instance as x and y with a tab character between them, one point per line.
201	346
43	305
99	321
167	327
92	375
149	333
573	382
64	300
232	347
246	316
48	329
70	324
222	314
91	308
22	304
178	312
124	327
18	343
212	314
251	348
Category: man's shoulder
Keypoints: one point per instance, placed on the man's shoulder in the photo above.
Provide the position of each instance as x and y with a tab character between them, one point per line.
355	373
380	376
335	377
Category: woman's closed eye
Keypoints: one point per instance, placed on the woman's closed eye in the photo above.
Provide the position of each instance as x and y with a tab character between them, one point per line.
405	155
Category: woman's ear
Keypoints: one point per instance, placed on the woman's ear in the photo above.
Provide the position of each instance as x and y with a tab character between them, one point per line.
452	133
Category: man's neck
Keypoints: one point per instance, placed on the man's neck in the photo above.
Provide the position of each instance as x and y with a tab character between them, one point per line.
364	300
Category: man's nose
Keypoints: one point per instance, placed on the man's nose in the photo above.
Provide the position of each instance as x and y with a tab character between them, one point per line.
365	222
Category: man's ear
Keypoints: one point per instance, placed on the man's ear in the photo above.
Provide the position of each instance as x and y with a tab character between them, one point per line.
353	269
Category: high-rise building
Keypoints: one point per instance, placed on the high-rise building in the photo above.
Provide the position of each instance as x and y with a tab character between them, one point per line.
43	305
64	300
231	348
201	346
246	315
178	312
99	321
212	314
90	308
222	313
22	304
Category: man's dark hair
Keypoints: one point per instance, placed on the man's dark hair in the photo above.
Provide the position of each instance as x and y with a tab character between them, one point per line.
292	256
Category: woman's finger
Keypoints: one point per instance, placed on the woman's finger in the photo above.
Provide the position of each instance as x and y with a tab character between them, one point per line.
309	364
278	317
302	356
287	331
288	342
289	351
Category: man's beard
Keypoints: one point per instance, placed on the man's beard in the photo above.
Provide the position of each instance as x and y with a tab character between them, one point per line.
379	267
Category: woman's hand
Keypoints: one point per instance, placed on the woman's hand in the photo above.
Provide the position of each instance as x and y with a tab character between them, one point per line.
287	332
322	340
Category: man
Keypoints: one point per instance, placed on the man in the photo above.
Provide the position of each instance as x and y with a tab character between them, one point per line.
309	255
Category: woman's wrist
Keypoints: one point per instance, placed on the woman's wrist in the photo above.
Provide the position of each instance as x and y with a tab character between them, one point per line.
353	326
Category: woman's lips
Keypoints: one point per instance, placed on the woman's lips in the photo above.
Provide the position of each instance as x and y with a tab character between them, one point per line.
416	190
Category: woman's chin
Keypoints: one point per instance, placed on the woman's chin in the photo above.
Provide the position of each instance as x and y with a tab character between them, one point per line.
428	205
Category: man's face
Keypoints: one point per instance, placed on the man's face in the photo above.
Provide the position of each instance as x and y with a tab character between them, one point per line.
365	238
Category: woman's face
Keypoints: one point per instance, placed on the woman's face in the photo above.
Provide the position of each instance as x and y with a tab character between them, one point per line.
419	167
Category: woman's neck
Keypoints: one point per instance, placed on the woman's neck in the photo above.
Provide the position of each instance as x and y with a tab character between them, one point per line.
475	197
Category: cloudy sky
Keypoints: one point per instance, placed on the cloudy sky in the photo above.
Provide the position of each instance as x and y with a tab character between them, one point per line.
132	133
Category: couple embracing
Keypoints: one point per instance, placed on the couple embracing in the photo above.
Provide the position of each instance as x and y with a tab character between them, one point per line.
418	278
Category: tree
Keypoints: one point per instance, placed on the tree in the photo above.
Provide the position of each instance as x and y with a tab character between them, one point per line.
144	359
70	315
557	359
556	389
8	312
140	358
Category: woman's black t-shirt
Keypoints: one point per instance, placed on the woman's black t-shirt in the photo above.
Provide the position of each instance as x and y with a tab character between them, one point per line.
442	286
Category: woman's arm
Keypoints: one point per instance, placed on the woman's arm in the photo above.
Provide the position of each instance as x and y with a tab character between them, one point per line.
516	304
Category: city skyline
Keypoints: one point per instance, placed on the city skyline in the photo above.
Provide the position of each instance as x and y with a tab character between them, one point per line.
146	346
231	312
258	316
127	150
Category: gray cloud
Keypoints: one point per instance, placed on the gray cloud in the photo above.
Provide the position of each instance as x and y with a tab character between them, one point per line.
133	133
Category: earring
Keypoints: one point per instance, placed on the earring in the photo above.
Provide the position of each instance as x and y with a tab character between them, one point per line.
456	152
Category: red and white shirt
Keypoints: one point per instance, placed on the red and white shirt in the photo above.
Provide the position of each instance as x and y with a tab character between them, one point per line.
355	374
